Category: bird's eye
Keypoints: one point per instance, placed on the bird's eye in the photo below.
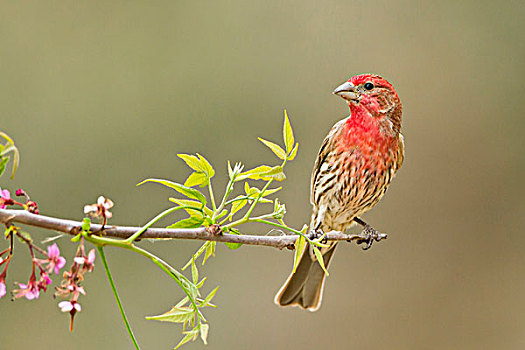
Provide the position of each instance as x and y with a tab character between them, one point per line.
369	86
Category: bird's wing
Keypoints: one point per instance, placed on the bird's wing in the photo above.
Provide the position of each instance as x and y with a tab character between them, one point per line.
320	163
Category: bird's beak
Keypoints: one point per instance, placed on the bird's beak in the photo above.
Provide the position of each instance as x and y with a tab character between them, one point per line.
347	91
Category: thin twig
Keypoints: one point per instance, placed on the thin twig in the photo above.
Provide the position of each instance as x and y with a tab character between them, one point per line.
201	233
117	298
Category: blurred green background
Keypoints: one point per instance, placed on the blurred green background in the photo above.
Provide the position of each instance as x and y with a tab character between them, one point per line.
99	95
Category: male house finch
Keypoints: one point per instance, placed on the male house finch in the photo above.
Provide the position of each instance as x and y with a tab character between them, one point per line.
355	165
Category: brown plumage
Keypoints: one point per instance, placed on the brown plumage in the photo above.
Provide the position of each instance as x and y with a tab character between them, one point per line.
356	162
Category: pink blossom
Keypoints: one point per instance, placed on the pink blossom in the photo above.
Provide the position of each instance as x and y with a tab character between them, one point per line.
54	260
88	261
30	290
101	208
5	198
67	306
72	307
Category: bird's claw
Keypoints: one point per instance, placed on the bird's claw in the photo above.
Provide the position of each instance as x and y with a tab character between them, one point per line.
370	235
317	234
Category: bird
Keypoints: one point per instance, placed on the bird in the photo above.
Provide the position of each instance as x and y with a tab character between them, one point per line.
355	165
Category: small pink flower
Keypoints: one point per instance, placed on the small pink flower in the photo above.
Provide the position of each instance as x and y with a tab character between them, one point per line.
54	261
100	209
44	277
72	307
43	282
30	290
68	306
88	261
5	198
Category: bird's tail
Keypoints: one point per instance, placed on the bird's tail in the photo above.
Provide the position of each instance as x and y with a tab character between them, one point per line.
304	288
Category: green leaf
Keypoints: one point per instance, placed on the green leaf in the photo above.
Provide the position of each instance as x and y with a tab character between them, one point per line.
271	191
320	260
9	147
254	192
194	272
196	179
204	328
193	289
3	163
176	315
231	245
265	200
195	207
238	205
276	173
191	222
221	214
287	133
190	336
199	285
210	296
253	173
278	210
273	171
187	191
208	169
294	152
279	152
250	190
263	172
198	163
196	255
300	244
210	250
191	161
76	238
230	171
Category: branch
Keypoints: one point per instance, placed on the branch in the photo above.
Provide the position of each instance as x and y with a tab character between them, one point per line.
71	227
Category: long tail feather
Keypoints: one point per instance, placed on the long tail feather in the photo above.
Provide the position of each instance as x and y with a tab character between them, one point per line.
304	288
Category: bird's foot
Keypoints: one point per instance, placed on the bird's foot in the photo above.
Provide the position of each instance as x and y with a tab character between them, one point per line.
369	235
318	234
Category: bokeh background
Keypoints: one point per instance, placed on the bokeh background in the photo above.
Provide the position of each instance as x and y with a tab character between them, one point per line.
102	94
